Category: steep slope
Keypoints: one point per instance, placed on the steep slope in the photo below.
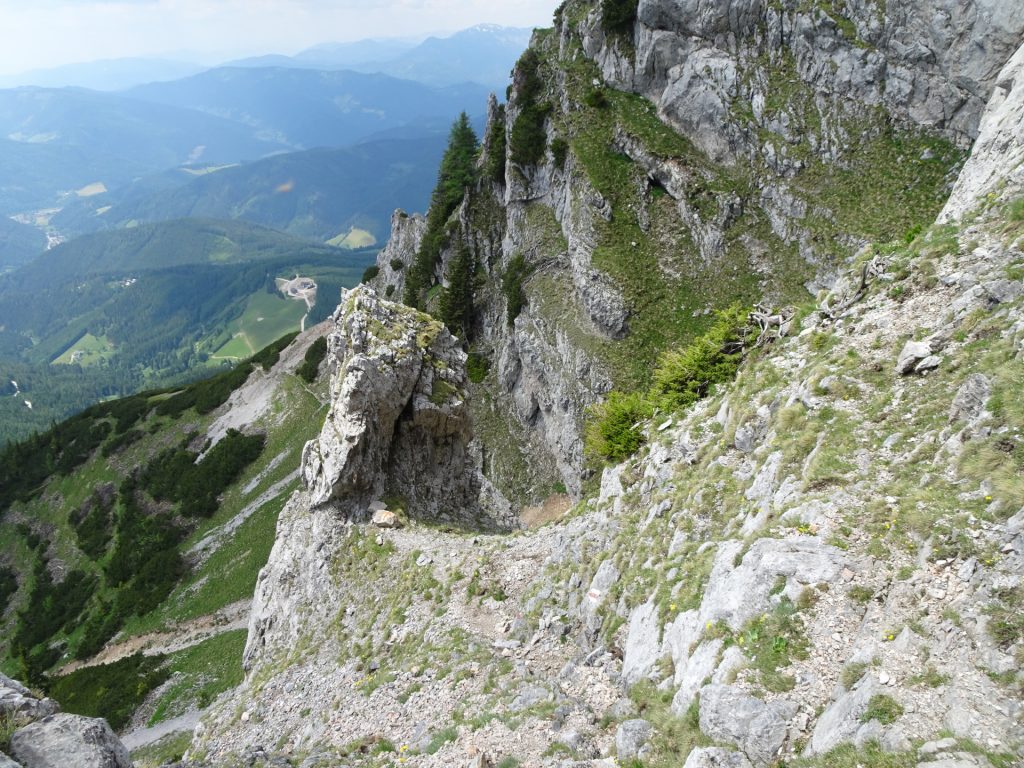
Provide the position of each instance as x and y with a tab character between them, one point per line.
18	243
819	564
789	150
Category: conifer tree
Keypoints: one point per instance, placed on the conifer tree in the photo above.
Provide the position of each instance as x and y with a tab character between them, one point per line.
457	174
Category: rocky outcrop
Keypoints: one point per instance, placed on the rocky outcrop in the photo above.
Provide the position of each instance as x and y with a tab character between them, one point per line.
69	741
997	158
934	64
397	256
398	425
47	738
398	428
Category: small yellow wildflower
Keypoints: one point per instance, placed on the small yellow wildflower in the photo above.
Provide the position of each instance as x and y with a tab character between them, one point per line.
672	607
988	498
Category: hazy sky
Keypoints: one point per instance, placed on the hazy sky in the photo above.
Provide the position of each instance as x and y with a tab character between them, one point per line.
45	33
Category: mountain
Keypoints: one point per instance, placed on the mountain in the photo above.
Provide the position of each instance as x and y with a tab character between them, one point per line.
104	75
18	243
60	143
484	54
151	304
318	194
310	108
695	441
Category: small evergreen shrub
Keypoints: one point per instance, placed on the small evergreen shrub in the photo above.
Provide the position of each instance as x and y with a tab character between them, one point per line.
371	272
596	99
614	431
618	16
512	286
397	264
477	367
497	147
681	378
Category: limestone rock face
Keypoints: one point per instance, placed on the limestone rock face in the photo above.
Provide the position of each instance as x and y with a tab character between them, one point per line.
998	154
17	700
757	728
398	423
69	741
933	63
406	236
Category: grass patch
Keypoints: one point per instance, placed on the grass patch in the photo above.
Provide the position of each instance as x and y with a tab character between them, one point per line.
883	708
112	691
201	673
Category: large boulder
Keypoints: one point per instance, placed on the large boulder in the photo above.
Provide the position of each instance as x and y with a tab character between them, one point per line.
643	643
631	737
69	741
729	715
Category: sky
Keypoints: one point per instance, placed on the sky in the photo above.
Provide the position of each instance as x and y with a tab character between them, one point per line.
37	34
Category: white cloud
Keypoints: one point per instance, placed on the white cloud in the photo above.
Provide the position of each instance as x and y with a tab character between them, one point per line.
46	33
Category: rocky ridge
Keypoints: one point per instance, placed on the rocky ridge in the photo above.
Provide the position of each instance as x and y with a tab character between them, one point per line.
776	108
822	562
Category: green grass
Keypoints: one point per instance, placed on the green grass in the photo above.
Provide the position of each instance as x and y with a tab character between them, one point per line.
169	749
200	673
883	708
88	350
113	691
265	319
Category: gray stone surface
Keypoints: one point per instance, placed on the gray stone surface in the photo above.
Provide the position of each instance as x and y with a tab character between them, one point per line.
998	154
630	738
6	762
729	715
841	721
643	643
716	757
16	699
69	741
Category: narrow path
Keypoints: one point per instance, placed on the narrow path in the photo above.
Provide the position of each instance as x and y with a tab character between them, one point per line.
145	736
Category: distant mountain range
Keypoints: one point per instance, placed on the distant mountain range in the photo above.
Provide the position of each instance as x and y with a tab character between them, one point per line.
319	194
483	54
106	75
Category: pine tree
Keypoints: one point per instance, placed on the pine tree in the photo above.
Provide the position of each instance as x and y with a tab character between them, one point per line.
456	304
457	174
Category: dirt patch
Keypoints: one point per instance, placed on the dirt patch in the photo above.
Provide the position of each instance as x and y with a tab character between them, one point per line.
553	508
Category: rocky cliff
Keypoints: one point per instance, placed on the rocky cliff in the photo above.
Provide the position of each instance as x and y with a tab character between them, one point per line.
701	153
818	563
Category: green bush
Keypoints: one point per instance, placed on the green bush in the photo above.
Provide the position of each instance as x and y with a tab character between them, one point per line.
311	362
596	98
885	709
112	691
512	286
614	430
397	264
477	367
371	272
559	151
682	377
618	16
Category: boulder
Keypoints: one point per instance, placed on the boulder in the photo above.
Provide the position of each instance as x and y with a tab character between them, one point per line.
69	741
385	518
6	762
729	715
911	355
971	398
842	720
631	737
